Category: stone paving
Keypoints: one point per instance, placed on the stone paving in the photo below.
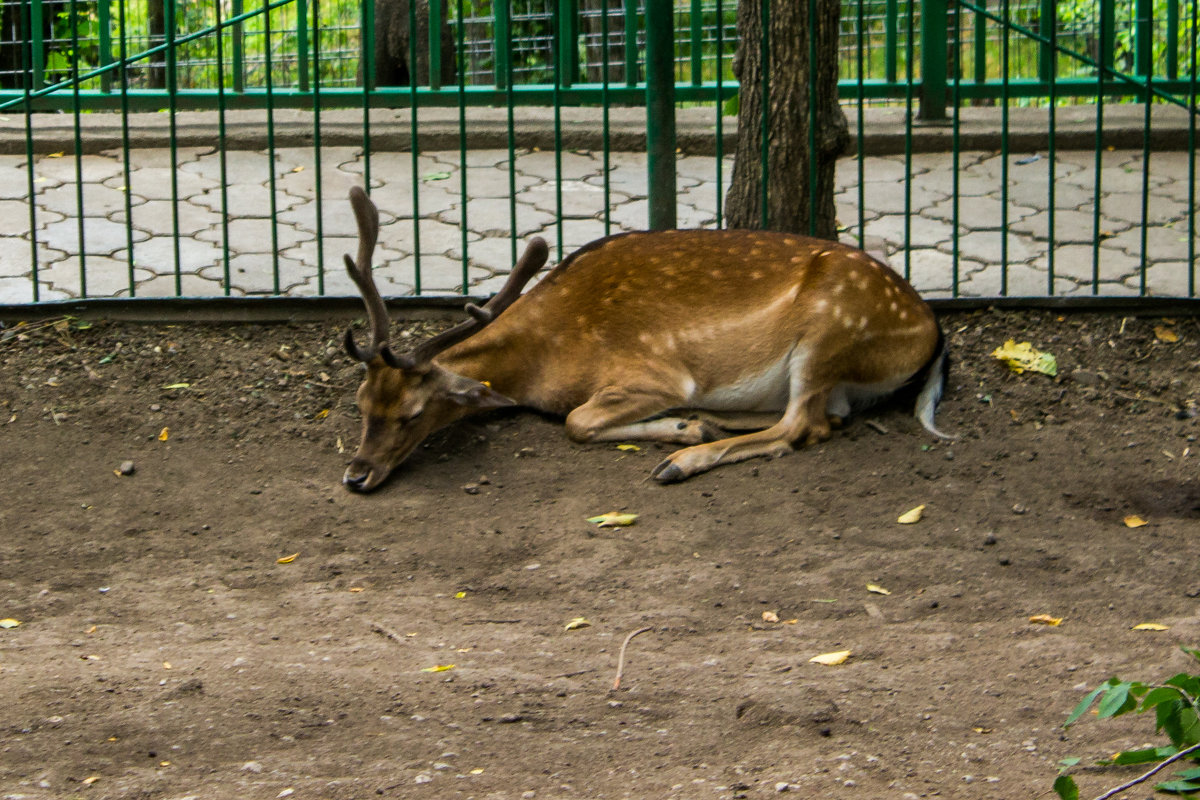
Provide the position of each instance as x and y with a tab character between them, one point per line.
182	243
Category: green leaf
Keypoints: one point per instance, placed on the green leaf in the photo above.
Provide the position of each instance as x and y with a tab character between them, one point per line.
436	176
1084	705
1178	787
1116	701
1189	683
1190	774
1064	787
1145	756
1066	763
1158	696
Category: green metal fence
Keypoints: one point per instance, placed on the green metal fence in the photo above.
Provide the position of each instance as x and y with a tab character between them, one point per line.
131	167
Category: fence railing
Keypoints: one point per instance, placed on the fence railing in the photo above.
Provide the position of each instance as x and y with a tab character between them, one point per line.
996	216
573	49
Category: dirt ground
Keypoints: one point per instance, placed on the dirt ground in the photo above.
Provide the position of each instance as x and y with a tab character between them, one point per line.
164	652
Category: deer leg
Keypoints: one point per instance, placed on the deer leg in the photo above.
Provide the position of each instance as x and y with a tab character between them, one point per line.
805	422
619	414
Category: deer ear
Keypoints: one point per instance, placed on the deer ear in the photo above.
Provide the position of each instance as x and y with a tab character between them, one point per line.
474	394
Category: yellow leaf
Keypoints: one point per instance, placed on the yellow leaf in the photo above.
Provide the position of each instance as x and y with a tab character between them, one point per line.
287	559
1024	356
9	623
877	589
577	623
59	154
439	668
1134	521
790	621
322	414
166	665
298	169
164	763
629	448
1150	626
90	781
89	630
356	588
983	730
477	771
166	433
177	386
911	516
459	595
831	659
613	519
770	616
1165	334
1046	619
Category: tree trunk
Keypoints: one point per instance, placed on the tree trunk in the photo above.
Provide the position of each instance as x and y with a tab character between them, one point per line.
393	39
592	28
156	22
790	205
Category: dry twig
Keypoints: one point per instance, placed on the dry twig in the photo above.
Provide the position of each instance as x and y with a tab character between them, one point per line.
621	657
386	632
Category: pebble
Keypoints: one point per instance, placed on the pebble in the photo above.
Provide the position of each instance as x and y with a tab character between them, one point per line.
252	766
989	539
424	777
127	468
471	488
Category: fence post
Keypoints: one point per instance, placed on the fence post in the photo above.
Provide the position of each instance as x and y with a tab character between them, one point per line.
934	21
660	114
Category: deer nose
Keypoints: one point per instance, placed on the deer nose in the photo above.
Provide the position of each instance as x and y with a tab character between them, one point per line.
355	483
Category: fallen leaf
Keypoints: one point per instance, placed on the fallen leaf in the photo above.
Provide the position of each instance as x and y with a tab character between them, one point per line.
1165	334
298	169
287	559
1150	626
770	616
436	176
59	154
877	589
356	588
89	630
613	519
166	665
577	623
982	730
790	621
1046	619
911	516
459	595
831	659
629	448
1134	521
1023	356
9	623
166	433
164	763
177	386
90	781
322	414
477	771
439	668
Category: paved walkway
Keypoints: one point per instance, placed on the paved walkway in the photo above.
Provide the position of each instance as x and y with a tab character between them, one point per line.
441	211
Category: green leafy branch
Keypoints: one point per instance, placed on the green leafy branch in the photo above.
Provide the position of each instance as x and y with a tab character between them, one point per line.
1176	706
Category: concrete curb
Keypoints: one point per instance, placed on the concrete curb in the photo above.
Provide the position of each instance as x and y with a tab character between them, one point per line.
884	130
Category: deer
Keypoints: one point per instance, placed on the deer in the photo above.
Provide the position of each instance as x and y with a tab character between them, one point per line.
735	344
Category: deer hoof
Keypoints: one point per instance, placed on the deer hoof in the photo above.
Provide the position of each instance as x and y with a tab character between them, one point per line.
668	472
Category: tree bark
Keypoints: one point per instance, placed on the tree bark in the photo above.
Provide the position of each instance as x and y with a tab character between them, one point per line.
591	26
790	203
393	39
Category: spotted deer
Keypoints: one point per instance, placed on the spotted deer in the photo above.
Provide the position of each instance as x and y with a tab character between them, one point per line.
734	343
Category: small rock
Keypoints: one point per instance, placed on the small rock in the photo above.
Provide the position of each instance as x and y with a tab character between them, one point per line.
783	786
508	719
155	407
990	539
1086	377
424	777
127	468
1019	509
526	452
471	488
252	766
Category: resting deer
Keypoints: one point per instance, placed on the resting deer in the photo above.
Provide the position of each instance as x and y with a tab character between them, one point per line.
632	329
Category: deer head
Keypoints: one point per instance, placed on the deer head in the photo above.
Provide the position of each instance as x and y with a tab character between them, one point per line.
406	397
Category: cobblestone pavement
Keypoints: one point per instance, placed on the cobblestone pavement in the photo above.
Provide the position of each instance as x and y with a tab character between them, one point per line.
190	231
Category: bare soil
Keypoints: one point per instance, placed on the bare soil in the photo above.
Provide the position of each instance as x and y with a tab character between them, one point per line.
165	652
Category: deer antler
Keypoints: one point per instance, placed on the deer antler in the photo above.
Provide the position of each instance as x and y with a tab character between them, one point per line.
532	260
367	217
